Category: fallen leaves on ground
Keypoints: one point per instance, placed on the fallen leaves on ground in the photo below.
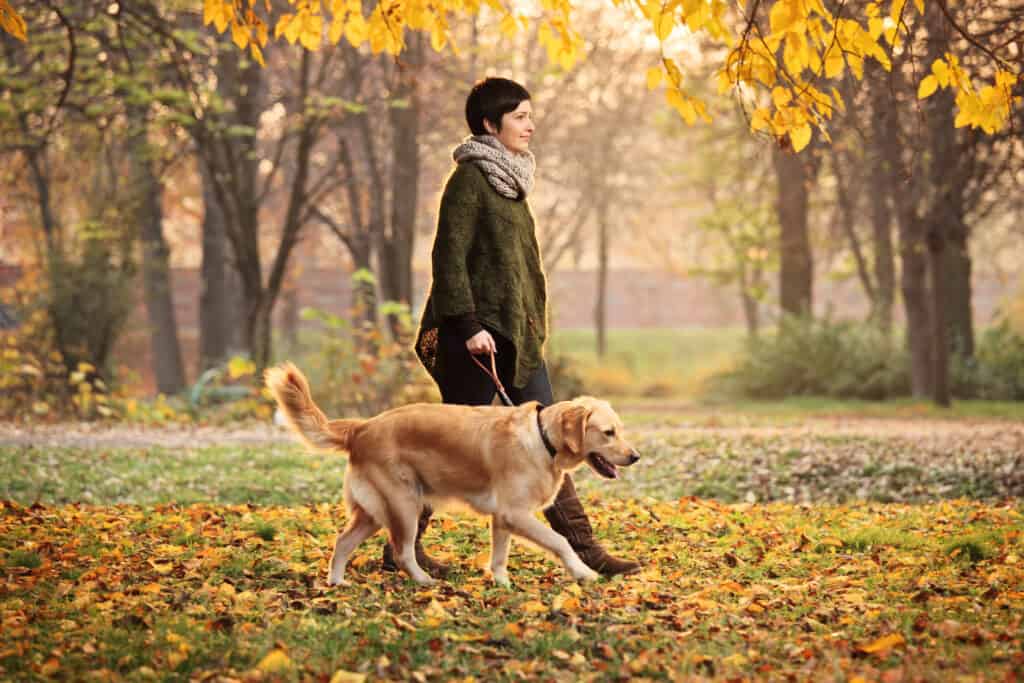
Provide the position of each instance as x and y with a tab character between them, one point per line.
877	591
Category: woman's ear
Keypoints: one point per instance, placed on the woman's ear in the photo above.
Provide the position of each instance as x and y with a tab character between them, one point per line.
574	427
490	127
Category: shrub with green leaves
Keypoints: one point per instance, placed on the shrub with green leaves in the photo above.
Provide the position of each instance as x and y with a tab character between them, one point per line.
821	357
996	372
362	366
36	380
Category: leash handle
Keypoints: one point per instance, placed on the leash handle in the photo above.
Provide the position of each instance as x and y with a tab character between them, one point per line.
493	374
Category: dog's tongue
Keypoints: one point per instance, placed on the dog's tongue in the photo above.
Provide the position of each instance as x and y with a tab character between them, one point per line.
605	467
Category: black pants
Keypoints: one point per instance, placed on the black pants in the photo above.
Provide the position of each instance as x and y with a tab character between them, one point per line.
463	382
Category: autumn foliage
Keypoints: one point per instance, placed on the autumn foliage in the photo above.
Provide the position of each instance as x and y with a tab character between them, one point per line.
782	58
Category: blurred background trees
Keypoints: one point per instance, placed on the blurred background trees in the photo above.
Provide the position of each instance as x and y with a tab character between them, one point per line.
138	145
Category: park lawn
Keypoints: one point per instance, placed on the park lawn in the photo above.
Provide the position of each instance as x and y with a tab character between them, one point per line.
176	592
156	563
649	362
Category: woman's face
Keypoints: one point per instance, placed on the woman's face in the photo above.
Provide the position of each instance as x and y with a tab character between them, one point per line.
516	128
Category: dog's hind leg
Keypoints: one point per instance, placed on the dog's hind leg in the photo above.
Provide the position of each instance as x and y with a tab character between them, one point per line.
527	526
359	528
403	515
500	539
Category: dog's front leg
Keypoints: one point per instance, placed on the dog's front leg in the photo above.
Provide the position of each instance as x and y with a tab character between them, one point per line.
532	530
500	539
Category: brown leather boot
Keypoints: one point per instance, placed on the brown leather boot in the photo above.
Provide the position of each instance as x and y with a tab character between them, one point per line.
567	517
428	564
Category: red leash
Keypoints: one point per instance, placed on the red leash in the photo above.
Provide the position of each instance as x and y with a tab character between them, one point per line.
493	374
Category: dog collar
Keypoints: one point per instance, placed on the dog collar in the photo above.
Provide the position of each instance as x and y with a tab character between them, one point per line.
543	434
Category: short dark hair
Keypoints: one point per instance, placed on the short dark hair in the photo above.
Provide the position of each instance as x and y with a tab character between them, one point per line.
491	99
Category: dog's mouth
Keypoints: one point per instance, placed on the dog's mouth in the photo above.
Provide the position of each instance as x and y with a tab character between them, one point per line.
602	466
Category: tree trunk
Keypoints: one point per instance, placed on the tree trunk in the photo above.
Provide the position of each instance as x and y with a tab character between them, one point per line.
156	271
880	175
846	197
940	328
290	315
601	306
796	266
397	248
915	303
217	318
958	291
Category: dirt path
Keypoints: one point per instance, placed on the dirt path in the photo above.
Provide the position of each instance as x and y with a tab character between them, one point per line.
1009	435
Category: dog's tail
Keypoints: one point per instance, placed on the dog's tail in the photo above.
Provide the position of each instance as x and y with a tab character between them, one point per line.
291	390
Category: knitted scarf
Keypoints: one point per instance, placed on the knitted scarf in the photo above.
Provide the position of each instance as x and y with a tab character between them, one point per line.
511	175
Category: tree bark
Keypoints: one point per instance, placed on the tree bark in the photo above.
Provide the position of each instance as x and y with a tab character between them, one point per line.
940	328
795	174
958	291
397	247
880	175
601	306
913	286
216	313
156	272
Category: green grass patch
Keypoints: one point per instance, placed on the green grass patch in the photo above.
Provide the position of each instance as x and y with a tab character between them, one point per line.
656	362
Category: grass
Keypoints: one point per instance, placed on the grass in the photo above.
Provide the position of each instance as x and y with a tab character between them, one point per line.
658	370
651	362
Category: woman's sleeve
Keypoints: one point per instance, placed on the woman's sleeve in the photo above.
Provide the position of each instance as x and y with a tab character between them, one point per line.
452	293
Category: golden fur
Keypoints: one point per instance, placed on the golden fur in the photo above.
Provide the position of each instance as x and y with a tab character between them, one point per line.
490	458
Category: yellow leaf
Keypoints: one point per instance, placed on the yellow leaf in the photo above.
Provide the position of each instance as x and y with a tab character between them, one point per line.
312	32
239	366
275	662
654	75
508	26
533	607
920	6
781	96
257	53
783	16
834	63
240	35
928	85
356	30
883	644
681	104
941	71
282	25
800	137
12	22
342	676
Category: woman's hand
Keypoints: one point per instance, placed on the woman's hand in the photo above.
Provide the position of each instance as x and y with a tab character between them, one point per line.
481	342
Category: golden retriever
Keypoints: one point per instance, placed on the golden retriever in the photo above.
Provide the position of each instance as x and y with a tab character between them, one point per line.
507	463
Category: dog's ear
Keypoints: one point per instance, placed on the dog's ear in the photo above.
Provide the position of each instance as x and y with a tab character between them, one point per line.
574	426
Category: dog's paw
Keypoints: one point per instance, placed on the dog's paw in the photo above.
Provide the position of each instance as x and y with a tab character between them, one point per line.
332	581
502	580
425	580
588	576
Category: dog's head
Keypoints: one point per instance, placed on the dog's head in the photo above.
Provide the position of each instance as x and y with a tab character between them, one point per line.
593	433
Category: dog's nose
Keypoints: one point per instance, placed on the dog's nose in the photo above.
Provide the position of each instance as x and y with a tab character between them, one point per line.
633	457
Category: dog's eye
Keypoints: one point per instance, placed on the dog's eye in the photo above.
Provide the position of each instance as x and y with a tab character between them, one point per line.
609	432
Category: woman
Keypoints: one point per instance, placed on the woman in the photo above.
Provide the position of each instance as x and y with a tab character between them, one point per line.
488	292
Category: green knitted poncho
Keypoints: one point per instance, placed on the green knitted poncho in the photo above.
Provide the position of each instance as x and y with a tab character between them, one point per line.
486	265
